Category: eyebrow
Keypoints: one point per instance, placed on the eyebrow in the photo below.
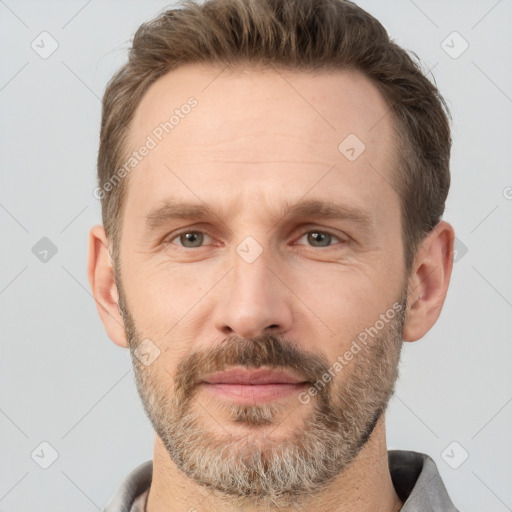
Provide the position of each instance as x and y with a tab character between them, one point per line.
312	208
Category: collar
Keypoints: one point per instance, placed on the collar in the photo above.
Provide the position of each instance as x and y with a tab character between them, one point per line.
414	475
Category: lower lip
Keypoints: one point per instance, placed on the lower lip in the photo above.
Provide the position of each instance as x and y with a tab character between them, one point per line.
255	392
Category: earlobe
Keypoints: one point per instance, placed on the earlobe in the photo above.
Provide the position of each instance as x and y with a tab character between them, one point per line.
428	282
101	279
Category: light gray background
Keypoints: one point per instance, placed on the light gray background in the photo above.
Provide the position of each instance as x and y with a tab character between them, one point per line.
65	383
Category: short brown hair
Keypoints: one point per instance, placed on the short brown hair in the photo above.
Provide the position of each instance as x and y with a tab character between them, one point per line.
302	35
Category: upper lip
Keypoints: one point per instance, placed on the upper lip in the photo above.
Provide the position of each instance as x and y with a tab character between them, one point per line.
253	376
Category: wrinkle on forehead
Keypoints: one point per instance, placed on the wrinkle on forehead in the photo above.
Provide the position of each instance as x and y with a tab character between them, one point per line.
267	134
315	108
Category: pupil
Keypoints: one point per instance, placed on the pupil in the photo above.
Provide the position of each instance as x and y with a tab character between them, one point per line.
191	239
317	238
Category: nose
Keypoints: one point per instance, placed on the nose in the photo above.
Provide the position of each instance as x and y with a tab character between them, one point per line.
253	300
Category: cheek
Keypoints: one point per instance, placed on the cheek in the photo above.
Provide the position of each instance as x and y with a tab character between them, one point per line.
167	305
162	294
338	304
341	293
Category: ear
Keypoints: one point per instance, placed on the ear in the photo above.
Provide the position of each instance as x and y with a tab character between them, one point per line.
103	286
428	281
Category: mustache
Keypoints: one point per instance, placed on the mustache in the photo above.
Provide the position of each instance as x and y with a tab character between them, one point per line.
267	350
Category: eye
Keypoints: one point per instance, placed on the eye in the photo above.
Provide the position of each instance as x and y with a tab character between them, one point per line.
196	239
319	238
188	239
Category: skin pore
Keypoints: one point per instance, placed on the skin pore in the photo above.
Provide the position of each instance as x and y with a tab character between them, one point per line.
297	252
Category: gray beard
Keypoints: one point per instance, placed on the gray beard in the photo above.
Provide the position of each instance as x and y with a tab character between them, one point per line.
256	469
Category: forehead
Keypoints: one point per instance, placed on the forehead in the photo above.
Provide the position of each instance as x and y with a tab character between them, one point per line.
329	103
262	133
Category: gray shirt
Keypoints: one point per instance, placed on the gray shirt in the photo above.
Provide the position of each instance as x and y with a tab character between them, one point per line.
415	478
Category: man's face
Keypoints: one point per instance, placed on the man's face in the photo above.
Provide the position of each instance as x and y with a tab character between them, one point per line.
266	278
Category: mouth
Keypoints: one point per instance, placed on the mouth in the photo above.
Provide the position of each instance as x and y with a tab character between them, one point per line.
251	386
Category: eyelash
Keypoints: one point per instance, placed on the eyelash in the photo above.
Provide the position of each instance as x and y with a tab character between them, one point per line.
168	240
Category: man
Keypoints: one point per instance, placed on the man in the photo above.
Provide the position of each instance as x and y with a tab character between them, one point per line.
272	176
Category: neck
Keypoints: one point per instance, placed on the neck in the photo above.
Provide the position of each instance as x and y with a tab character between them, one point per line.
364	486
